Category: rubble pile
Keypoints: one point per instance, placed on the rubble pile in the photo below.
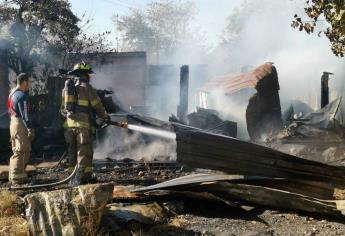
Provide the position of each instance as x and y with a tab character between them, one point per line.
212	166
252	176
209	120
315	135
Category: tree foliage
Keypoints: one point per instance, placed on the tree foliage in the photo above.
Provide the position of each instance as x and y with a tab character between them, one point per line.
331	11
236	22
43	32
34	26
163	25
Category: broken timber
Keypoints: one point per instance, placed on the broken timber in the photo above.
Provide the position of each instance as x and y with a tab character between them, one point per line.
252	190
199	149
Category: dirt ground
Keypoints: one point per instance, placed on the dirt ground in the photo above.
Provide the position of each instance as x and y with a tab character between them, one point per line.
210	220
267	222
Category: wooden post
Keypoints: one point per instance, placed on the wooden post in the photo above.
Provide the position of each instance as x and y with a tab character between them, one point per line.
182	110
325	89
4	83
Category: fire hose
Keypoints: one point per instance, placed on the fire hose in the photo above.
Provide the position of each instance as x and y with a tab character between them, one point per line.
50	185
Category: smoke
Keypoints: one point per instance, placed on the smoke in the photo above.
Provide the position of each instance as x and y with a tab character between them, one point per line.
151	90
232	109
119	144
126	81
265	35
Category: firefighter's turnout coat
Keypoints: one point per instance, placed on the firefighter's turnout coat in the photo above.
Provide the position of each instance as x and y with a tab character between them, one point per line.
80	107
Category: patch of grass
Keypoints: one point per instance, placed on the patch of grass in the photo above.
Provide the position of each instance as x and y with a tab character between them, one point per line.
11	223
178	222
13	226
8	204
90	224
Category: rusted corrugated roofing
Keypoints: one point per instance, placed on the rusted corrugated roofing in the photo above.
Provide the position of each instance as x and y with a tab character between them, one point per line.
234	83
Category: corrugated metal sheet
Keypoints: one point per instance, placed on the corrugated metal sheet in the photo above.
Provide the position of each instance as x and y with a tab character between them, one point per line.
234	83
199	149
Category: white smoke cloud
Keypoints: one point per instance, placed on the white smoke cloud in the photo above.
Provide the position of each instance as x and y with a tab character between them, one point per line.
300	58
119	144
267	36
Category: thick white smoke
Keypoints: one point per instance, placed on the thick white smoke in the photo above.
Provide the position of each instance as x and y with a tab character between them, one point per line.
299	58
266	35
119	144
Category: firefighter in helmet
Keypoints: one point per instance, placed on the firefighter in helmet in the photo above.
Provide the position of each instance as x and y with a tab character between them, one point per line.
80	104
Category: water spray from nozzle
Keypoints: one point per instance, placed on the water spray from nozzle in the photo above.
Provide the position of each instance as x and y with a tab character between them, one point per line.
146	130
153	131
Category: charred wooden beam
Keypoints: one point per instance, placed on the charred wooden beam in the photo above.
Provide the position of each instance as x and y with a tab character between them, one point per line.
4	82
276	198
325	89
182	110
315	197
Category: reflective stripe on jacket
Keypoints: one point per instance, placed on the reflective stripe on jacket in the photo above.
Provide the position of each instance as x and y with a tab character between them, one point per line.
19	106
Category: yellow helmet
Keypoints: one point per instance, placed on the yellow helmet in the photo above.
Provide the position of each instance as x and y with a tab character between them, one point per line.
81	68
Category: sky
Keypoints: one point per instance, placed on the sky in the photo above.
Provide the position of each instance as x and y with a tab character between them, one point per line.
210	20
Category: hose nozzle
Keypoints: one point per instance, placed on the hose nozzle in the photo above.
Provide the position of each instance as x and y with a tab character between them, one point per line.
123	124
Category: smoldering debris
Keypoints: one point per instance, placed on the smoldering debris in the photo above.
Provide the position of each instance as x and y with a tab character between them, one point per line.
209	120
278	193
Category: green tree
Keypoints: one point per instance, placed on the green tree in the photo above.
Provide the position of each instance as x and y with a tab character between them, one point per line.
44	32
236	22
34	26
330	11
162	26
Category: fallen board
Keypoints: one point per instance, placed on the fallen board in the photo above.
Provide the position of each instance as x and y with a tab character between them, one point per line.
277	198
197	179
199	149
253	191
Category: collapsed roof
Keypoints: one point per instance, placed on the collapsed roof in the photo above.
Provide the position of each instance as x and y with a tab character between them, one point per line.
235	82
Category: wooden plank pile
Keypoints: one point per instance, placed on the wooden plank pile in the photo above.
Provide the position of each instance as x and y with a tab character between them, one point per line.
239	191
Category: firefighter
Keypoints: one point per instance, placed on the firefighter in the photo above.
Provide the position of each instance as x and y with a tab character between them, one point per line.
21	129
80	104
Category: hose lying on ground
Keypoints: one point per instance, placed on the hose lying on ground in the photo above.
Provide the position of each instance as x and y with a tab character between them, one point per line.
50	185
59	162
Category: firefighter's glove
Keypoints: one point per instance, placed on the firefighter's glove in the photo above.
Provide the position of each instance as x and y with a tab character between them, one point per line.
31	134
104	122
106	119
